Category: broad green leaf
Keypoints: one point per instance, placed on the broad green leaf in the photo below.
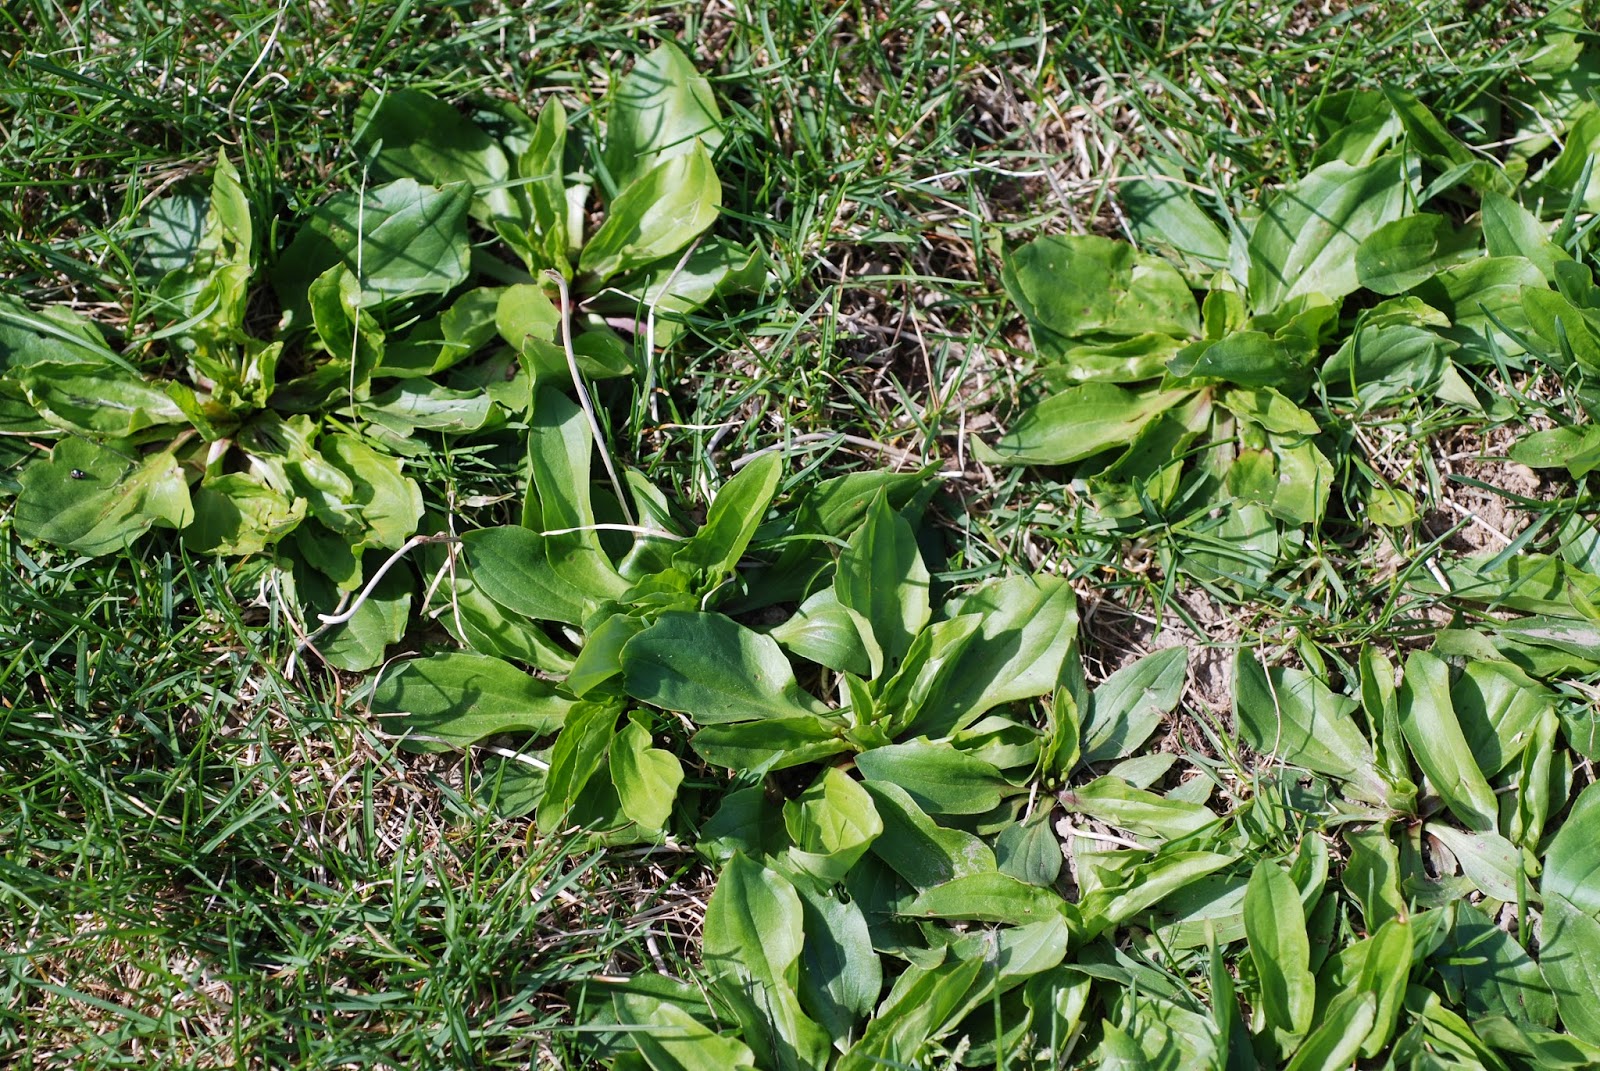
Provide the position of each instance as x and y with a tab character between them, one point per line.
1240	549
837	505
1029	850
1023	649
414	405
1563	328
1304	481
223	248
560	446
445	340
752	939
335	556
359	644
918	849
825	631
458	699
1509	230
413	134
1483	298
1293	715
1059	749
1580	638
772	743
1271	410
1142	771
1120	1052
1070	286
1013	955
97	400
1534	583
1306	237
1306	321
1571	179
1406	311
1383	718
600	351
1131	703
1577	449
1145	814
841	977
1248	358
925	671
1569	958
1499	709
1547	1050
1205	912
1390	508
1489	860
1378	363
1385	969
529	321
832	824
485	626
937	776
1428	720
1355	126
400	239
1401	254
657	214
577	756
168	232
1337	1041
1570	942
646	778
1543	780
919	1007
1485	972
546	244
1426	135
1222	312
670	1039
513	787
1275	924
989	897
236	514
601	657
1443	1031
1371	875
347	332
732	518
1058	999
1163	214
1146	885
1004	742
510	565
52	333
881	576
1155	1030
1080	422
95	500
1122	360
746	821
658	111
833	508
390	504
713	670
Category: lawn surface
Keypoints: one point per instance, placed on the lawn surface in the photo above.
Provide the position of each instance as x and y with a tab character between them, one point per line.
212	854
